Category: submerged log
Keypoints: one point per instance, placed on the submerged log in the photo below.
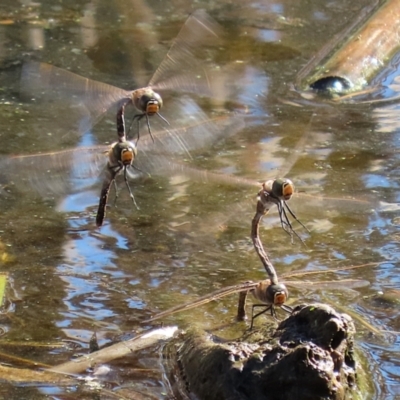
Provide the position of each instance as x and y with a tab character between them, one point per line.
308	356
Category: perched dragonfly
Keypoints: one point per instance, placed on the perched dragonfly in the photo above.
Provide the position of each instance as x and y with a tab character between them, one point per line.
271	293
178	72
268	294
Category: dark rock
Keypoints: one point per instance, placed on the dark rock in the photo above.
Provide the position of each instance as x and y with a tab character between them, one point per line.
309	356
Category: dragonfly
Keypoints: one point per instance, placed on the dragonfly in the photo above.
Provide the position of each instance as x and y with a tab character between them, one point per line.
120	157
267	294
279	190
270	292
275	192
72	170
178	72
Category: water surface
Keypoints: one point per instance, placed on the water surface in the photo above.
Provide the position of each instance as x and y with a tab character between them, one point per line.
191	236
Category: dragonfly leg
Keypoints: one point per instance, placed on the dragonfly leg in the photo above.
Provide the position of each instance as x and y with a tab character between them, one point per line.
130	128
138	117
129	189
294	216
164	119
266	308
148	126
116	193
291	228
286	308
286	225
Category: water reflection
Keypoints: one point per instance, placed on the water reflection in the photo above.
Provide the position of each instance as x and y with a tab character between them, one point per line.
74	280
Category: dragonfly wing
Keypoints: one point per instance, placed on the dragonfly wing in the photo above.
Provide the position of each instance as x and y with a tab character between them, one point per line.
338	284
179	69
78	95
206	299
55	173
191	129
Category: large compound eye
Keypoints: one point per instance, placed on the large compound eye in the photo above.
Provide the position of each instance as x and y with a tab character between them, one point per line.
283	188
125	152
158	99
150	103
277	294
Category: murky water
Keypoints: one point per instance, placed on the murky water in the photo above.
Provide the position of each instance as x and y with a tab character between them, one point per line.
190	236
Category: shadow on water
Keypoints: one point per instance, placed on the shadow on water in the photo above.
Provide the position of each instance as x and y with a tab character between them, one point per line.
191	234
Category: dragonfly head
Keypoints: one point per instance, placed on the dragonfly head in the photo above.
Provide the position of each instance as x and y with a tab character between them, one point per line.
149	102
282	188
277	294
125	152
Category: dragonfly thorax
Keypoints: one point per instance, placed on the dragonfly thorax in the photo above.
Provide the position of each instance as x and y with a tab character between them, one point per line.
147	101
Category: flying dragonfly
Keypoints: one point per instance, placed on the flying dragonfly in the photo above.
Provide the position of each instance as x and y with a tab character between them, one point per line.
72	170
120	156
178	72
275	192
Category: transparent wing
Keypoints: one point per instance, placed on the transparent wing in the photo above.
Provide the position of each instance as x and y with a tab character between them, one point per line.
191	129
218	294
339	284
330	270
66	171
79	101
56	172
179	69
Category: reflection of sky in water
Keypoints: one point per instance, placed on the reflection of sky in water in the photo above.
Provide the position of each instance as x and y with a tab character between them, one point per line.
79	201
267	35
268	163
377	181
389	77
253	89
389	88
320	16
388	119
268	7
88	264
89	254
